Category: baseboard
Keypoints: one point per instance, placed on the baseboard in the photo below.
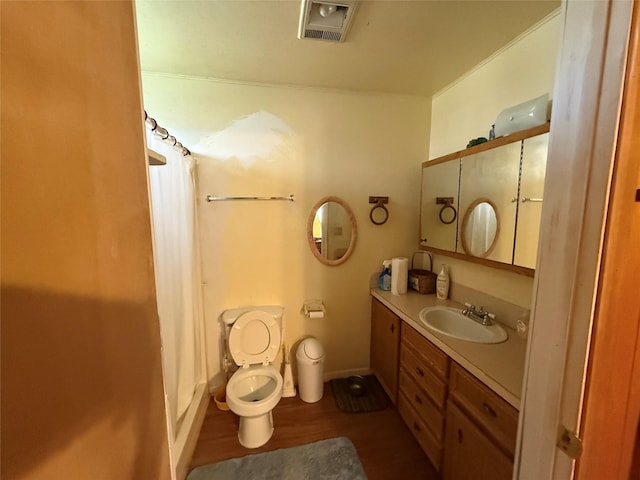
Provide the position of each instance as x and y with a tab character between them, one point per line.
346	373
187	437
327	376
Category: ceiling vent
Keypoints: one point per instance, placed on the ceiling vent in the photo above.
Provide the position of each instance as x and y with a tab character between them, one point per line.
327	21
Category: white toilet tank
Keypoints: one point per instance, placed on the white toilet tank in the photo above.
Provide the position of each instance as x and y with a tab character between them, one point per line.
231	315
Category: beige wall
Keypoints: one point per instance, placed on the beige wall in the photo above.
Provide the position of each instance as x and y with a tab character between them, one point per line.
81	370
467	108
263	140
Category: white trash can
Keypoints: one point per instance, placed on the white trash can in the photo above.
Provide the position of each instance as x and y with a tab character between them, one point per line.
310	357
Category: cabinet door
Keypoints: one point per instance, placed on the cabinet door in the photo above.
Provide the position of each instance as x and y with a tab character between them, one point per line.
468	452
385	345
488	192
439	181
534	166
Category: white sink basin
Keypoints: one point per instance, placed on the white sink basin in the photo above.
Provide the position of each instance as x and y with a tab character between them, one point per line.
451	322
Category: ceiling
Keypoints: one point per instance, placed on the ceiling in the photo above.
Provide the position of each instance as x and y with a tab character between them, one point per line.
400	47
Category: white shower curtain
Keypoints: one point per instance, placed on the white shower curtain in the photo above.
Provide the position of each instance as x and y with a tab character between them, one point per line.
177	270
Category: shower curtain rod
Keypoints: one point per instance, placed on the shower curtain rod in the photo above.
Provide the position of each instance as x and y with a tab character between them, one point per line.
163	133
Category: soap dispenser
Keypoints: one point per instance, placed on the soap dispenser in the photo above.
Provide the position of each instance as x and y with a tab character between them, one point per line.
442	284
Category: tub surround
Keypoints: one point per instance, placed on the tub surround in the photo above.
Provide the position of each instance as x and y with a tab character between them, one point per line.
499	366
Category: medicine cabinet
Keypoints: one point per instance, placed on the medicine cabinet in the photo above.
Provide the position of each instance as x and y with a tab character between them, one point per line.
483	203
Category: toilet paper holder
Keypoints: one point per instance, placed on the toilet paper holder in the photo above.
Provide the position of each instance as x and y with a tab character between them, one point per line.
314	308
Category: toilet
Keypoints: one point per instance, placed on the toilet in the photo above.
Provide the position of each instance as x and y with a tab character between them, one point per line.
253	339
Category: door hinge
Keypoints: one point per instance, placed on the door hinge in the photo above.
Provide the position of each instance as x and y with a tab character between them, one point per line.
569	443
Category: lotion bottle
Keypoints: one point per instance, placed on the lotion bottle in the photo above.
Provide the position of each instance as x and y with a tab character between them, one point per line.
442	284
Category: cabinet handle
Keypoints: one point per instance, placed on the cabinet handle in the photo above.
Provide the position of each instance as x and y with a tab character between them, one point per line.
460	439
488	409
418	399
419	371
393	327
416	427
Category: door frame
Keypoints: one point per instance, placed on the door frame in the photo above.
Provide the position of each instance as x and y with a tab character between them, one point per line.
584	129
612	401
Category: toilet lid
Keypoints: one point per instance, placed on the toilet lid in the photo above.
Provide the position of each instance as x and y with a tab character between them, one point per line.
254	338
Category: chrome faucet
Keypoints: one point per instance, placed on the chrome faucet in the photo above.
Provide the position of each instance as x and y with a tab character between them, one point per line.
478	314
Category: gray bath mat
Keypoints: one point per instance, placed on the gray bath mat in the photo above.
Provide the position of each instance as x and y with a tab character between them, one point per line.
332	459
372	399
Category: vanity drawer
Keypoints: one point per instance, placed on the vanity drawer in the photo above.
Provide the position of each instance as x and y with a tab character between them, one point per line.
496	416
429	413
430	445
422	375
426	351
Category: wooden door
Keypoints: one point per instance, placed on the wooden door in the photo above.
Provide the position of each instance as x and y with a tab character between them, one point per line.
385	345
612	403
490	176
469	454
531	195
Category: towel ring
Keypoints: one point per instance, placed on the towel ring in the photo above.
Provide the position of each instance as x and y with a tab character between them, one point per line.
386	214
442	210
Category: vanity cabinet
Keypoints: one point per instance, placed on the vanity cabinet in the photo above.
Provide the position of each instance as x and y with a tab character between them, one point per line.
423	391
385	344
496	189
439	186
488	188
470	455
481	431
466	430
534	165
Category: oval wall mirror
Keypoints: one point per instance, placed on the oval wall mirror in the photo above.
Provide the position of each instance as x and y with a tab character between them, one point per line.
480	228
331	231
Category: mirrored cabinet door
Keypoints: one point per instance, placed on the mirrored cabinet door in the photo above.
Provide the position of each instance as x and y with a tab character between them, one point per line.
534	164
439	221
488	192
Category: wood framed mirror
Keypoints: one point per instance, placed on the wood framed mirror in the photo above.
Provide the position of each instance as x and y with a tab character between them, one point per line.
480	228
331	231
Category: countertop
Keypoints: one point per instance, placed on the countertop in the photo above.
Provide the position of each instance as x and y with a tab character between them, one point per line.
500	365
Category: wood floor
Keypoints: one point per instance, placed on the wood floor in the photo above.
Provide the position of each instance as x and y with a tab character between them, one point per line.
385	445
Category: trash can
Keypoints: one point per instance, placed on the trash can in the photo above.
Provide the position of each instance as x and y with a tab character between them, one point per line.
310	357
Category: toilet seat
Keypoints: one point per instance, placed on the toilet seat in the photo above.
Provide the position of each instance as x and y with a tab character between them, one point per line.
254	339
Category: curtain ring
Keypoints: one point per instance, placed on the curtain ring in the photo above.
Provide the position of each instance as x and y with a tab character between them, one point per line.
386	214
455	214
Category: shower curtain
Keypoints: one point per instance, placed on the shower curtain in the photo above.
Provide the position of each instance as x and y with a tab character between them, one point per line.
177	270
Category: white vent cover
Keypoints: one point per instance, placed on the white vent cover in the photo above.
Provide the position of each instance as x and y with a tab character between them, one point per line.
327	21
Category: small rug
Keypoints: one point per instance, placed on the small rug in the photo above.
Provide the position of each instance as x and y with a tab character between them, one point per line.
374	397
332	459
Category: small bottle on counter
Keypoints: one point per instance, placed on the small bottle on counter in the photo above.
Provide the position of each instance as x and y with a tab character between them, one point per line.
522	324
384	281
442	284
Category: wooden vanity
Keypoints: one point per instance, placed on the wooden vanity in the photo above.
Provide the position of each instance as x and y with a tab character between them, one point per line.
464	426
